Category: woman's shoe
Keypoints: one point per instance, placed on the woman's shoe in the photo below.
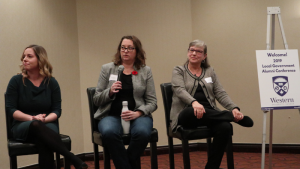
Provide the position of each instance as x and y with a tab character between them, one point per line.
82	166
245	122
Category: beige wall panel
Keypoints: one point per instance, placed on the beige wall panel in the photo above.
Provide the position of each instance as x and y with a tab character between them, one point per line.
233	30
164	28
53	25
80	36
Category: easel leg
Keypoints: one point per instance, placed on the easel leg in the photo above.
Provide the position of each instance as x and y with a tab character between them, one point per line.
263	150
270	139
272	11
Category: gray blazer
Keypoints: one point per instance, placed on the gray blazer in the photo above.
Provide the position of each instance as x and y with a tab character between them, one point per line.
184	85
143	90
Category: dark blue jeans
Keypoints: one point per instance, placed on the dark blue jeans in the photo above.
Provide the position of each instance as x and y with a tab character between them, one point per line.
111	129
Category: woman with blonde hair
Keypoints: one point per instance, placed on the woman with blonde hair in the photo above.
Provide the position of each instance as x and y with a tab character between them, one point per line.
33	100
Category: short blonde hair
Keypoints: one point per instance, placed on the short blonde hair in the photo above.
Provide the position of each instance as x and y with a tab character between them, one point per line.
43	62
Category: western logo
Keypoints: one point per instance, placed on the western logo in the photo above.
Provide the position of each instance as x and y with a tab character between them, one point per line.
280	85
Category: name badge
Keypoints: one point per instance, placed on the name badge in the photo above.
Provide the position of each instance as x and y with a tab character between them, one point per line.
208	80
113	77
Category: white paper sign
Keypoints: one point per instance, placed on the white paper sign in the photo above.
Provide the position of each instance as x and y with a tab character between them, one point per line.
279	79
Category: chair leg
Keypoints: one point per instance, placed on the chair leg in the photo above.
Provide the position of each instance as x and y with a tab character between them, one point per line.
209	147
171	153
106	158
13	162
57	159
139	163
186	154
229	154
153	154
96	156
67	164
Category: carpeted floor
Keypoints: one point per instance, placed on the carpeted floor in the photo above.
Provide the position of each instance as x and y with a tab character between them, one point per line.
241	161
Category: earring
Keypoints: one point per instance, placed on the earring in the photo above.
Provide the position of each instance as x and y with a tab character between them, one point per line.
203	61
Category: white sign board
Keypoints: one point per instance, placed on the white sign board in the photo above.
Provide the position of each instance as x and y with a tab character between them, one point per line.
279	79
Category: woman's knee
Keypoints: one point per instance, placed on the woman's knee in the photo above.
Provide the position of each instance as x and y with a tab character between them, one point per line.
36	125
109	131
141	132
142	127
224	127
109	134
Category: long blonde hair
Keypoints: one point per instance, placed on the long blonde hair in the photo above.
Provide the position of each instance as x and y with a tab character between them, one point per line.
44	64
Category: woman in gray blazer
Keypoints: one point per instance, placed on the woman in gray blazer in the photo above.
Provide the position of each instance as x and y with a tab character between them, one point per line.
196	87
126	79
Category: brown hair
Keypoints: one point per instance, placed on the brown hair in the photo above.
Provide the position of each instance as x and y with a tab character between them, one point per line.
43	62
140	53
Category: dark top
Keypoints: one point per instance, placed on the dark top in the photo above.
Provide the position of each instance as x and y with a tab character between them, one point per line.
125	94
31	100
201	98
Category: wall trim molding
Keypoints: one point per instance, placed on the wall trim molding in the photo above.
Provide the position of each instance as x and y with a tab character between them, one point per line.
237	147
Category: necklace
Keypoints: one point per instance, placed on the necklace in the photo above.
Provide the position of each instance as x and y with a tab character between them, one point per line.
196	72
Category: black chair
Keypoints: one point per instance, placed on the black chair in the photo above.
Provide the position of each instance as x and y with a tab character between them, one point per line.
97	137
187	134
16	148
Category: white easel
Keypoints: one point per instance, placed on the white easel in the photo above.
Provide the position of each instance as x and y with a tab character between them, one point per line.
271	11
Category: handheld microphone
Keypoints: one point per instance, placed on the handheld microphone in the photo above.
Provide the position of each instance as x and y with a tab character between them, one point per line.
120	70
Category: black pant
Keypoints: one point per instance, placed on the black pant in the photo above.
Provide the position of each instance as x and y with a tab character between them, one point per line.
48	142
219	123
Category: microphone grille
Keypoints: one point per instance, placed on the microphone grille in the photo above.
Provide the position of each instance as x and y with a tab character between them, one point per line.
121	67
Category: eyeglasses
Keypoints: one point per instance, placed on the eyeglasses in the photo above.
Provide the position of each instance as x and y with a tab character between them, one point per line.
197	51
130	49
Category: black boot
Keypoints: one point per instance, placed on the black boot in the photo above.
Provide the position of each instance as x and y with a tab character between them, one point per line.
82	166
245	122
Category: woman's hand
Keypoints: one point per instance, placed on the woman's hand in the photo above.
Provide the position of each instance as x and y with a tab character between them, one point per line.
198	109
115	87
40	117
237	115
130	115
51	117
